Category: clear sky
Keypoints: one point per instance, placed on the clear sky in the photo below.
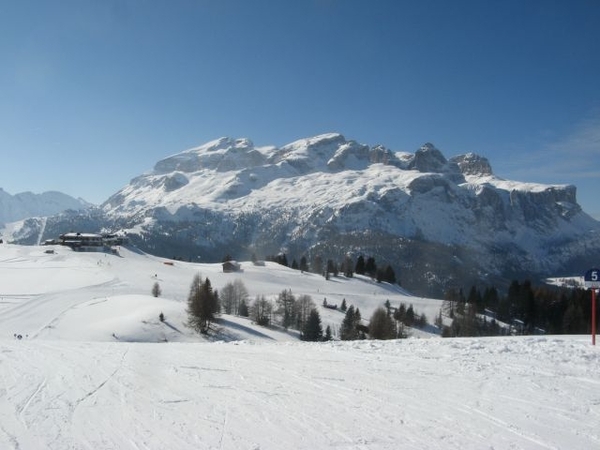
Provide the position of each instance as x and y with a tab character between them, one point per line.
93	93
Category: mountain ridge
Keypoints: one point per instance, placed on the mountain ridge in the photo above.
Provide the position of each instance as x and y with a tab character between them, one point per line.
27	204
438	221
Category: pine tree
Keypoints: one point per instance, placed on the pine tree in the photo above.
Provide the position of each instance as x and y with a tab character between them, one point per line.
317	266
381	325
156	291
400	314
312	330
348	267
303	264
243	309
303	305
327	336
344	307
360	265
194	308
348	330
390	275
371	267
203	304
410	316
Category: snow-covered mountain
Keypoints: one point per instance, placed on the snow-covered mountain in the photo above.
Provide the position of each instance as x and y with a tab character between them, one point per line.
27	204
437	221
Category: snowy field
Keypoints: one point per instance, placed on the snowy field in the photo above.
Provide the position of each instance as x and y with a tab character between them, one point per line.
98	370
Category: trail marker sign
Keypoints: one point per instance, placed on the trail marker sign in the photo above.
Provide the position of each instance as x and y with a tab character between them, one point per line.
591	279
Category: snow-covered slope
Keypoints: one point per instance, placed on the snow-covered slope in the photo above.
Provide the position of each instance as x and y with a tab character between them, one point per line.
27	204
93	369
104	297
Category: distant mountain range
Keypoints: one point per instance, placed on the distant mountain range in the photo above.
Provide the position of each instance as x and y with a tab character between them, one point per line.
438	222
27	204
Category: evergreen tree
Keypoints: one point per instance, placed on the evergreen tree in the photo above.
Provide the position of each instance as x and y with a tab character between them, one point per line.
371	267
360	265
410	316
381	325
312	330
327	336
331	268
348	330
243	309
156	291
475	299
343	307
348	267
390	275
400	314
302	307
317	266
203	304
303	264
388	306
194	308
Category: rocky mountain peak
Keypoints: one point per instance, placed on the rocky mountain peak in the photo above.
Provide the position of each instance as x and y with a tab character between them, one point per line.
429	159
473	164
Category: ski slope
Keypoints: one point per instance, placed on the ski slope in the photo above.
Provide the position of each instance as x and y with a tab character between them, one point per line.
95	296
96	369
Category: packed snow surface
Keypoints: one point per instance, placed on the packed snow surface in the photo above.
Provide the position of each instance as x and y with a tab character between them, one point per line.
89	372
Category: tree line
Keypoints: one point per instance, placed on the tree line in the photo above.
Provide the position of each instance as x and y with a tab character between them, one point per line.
347	266
529	309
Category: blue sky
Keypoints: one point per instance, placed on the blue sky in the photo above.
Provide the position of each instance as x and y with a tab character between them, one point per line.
93	93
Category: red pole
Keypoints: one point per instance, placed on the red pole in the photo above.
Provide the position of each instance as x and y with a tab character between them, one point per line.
593	316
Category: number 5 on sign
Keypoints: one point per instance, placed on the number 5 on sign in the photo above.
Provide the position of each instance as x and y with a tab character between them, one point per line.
592	278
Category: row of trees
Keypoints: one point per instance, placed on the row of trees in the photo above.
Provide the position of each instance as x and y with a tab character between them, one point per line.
549	309
385	323
347	267
290	311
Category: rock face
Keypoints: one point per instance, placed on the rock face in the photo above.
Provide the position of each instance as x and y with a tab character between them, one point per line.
437	221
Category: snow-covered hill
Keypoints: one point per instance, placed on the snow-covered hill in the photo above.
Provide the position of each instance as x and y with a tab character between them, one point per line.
89	372
27	204
104	297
